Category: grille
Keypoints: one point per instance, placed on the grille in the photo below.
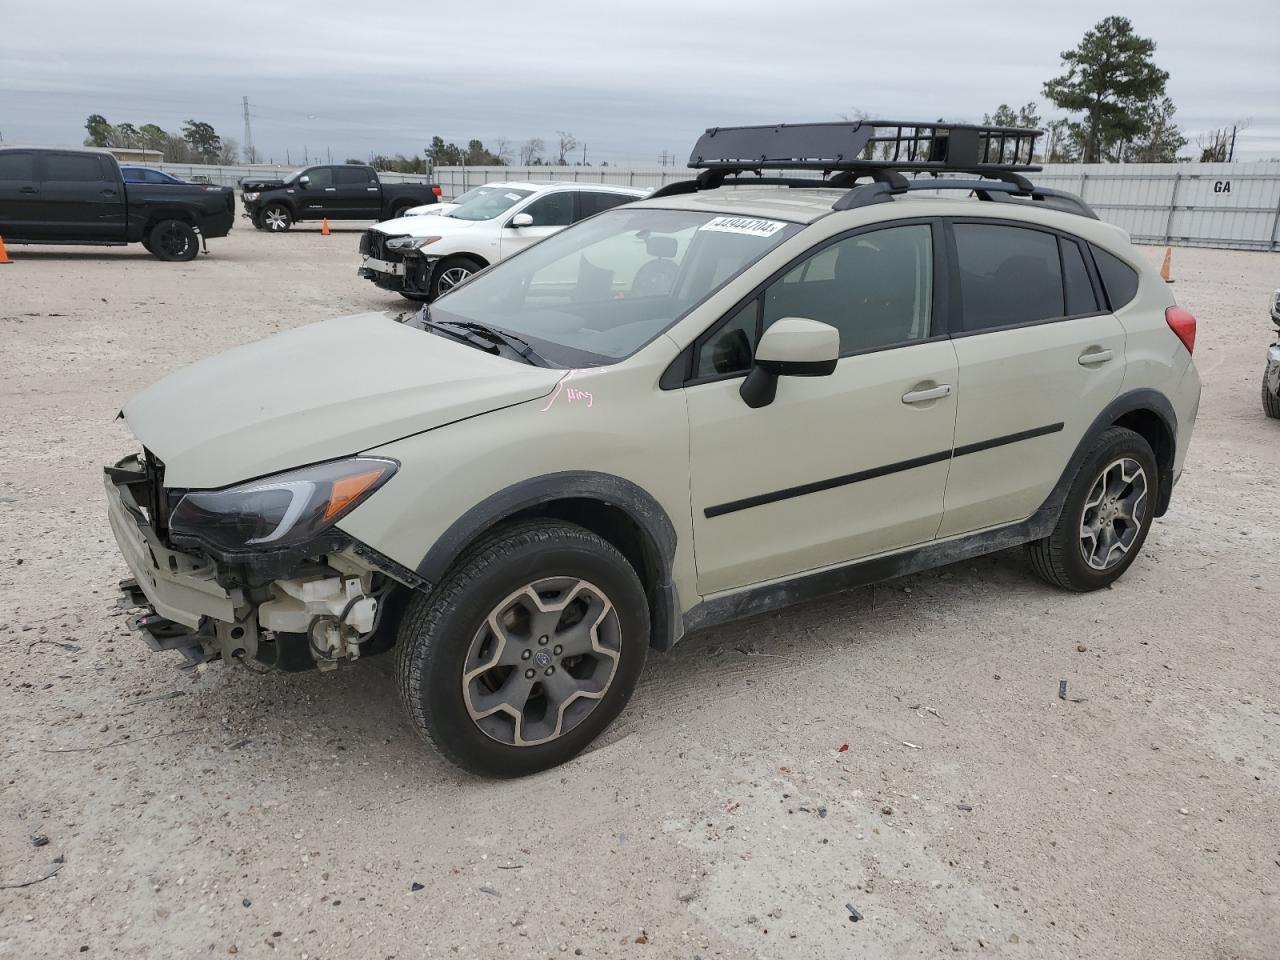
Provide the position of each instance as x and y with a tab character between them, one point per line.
374	244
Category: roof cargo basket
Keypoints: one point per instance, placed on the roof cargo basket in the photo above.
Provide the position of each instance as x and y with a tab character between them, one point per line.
882	150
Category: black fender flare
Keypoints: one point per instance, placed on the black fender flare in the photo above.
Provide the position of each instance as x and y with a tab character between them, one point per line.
657	534
1138	400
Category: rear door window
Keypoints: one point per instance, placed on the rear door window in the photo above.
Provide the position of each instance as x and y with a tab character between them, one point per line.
590	202
1008	276
18	166
1118	278
73	168
354	176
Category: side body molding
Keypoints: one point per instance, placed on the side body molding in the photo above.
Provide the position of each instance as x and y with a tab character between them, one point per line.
657	535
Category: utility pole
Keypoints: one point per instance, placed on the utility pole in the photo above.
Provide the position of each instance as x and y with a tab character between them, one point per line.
248	134
584	154
1232	155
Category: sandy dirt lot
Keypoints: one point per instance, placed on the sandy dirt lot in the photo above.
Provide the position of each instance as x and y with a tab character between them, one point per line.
974	813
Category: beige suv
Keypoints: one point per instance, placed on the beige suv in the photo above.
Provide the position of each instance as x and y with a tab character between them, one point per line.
750	389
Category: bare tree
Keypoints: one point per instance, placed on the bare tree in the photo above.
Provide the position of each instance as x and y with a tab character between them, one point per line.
531	151
502	150
1216	146
567	145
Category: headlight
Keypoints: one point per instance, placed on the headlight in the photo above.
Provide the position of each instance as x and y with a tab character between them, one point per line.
409	243
283	510
250	197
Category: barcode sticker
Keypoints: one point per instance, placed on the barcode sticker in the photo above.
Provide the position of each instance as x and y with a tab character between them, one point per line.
747	225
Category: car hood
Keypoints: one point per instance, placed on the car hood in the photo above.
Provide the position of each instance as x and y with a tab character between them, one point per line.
257	183
441	226
431	209
321	391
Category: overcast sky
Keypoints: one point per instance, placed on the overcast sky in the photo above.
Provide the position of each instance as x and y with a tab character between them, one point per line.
627	79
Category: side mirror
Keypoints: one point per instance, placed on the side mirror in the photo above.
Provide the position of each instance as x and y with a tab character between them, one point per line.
521	220
303	181
791	347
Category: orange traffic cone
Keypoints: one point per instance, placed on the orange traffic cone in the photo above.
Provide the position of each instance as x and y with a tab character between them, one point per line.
324	227
4	254
1164	267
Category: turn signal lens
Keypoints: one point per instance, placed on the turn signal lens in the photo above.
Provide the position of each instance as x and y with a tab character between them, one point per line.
344	492
1183	324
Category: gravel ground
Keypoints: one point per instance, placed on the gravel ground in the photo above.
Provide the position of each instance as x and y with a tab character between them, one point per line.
973	813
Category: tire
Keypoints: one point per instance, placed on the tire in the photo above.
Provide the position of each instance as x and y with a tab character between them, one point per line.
276	218
1070	556
1270	402
446	637
173	241
450	272
398	210
257	221
415	297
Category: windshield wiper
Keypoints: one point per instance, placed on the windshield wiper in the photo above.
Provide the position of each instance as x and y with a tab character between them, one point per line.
517	345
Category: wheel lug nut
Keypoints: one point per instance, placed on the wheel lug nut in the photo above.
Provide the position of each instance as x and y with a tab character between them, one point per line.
558	650
530	673
526	654
542	641
550	671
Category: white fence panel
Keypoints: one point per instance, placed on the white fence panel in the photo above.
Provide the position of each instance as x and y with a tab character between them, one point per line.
1235	205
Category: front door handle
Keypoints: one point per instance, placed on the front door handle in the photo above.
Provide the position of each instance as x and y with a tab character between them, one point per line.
924	396
28	190
330	189
1093	357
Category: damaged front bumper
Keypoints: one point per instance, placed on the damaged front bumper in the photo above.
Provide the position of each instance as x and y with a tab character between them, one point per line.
309	608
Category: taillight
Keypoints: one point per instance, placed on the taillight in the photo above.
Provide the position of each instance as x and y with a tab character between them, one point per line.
437	191
1183	324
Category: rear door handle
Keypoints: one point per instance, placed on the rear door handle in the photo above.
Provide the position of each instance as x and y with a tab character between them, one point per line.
1091	358
330	189
924	396
28	190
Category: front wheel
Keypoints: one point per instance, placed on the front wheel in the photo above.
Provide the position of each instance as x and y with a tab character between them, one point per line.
277	218
1105	518
173	240
526	651
450	272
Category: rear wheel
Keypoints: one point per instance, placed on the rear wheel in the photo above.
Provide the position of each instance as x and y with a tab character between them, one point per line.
173	240
398	210
1270	400
277	218
450	272
526	651
1106	516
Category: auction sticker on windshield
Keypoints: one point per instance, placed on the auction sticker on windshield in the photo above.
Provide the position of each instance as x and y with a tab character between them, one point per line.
748	225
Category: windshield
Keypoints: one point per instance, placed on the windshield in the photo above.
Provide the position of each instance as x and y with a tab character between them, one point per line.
595	293
289	178
486	206
474	192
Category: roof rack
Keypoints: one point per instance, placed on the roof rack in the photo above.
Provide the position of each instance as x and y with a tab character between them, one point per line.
883	150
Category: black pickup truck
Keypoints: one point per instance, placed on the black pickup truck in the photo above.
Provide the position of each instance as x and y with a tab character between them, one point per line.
51	195
346	191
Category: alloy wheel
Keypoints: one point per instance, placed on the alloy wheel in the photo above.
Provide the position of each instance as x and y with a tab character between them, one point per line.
276	220
542	661
1113	513
452	277
171	240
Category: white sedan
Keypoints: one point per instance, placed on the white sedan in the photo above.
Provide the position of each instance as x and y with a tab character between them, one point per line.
423	257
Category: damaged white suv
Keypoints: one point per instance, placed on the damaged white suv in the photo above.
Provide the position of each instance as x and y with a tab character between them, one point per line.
687	410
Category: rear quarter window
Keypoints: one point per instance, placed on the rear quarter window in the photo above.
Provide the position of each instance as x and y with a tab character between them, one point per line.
1119	280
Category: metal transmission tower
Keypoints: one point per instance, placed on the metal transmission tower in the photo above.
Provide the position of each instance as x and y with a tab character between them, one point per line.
249	155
